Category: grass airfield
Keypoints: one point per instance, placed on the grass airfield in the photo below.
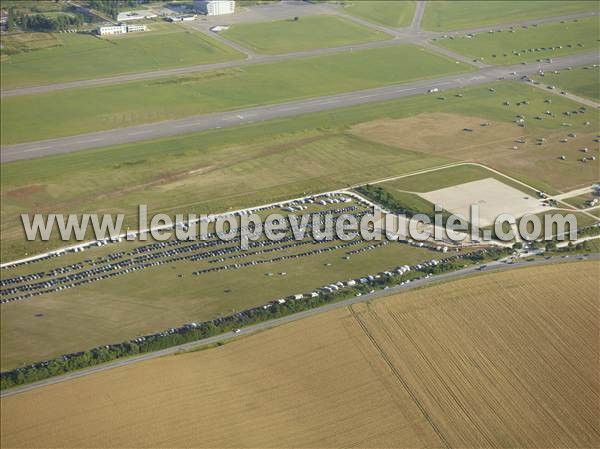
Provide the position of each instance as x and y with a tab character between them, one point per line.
314	153
543	41
253	390
128	104
307	33
306	154
46	58
582	81
393	14
457	15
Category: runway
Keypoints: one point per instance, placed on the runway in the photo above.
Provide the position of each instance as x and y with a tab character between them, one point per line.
196	123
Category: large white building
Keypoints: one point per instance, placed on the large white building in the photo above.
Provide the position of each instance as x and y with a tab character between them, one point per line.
116	29
216	7
120	29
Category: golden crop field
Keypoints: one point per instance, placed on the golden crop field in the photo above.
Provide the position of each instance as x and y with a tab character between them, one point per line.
506	359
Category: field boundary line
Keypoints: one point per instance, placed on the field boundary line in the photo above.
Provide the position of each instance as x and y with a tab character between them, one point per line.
399	377
436	373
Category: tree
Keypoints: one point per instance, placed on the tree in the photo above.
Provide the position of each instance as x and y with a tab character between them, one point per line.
10	21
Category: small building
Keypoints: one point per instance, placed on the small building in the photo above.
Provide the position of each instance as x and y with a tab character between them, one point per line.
135	15
216	7
180	18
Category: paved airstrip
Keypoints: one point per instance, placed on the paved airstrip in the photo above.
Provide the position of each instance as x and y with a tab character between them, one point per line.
409	35
229	119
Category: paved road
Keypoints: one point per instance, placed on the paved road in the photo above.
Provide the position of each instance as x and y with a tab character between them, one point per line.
228	119
493	266
203	28
557	91
418	17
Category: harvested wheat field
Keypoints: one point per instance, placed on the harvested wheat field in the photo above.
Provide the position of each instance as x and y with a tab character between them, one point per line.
444	134
507	359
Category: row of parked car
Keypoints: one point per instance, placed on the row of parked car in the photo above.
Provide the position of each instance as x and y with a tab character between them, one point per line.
145	256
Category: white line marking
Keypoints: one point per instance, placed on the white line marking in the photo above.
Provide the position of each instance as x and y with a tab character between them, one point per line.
138	133
292	108
32	149
88	140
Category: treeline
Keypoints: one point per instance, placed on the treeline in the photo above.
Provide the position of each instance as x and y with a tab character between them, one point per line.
584	246
195	332
41	22
112	7
381	196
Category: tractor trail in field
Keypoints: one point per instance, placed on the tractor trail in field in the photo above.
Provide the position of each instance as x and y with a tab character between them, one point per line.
437	374
398	376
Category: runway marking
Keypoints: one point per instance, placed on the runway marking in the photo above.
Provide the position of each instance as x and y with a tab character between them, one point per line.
88	140
33	149
291	108
137	133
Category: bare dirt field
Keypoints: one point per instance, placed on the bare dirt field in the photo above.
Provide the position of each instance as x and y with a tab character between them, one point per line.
492	196
506	359
445	134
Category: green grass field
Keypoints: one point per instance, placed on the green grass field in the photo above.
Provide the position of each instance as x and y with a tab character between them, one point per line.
457	14
307	33
194	174
117	309
530	44
391	13
69	57
580	201
74	111
581	81
269	161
